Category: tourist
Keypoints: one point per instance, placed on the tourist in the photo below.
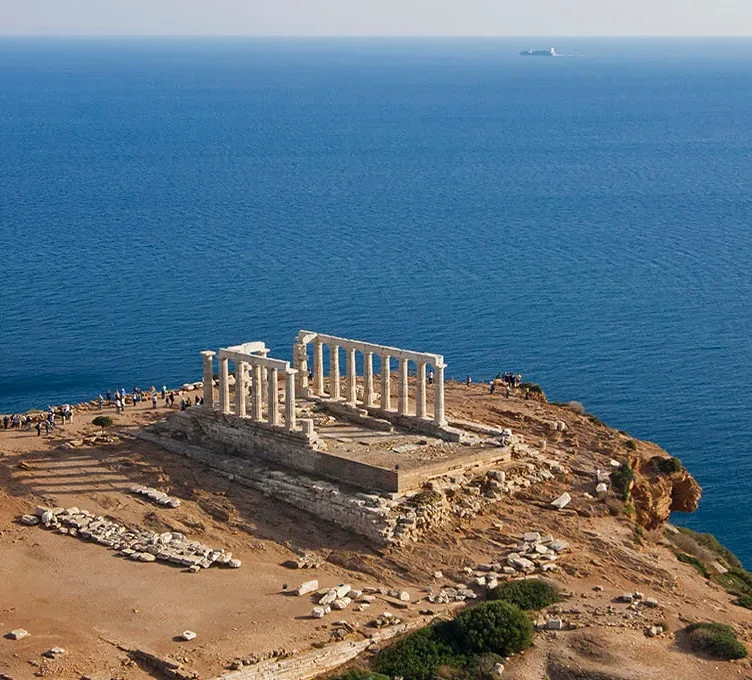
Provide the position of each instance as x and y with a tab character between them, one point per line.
164	392
468	380
491	387
108	394
154	400
6	422
430	377
46	428
39	429
100	402
118	405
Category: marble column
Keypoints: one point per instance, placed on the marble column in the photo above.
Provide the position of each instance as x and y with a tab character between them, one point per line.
368	378
334	392
438	396
300	352
240	388
224	385
272	411
352	377
290	377
264	375
386	383
258	403
420	392
208	378
318	367
402	392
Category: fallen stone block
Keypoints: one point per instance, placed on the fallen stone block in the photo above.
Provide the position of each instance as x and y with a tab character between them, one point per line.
562	501
54	652
17	634
318	612
188	635
307	587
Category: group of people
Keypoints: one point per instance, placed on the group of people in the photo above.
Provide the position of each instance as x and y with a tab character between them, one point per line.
43	421
120	399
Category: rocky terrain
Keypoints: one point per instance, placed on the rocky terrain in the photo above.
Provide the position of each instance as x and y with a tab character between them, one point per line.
579	504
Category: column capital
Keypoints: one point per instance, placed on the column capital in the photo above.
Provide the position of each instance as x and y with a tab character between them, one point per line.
208	353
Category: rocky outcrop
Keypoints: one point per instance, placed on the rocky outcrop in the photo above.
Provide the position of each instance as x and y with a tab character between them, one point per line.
656	494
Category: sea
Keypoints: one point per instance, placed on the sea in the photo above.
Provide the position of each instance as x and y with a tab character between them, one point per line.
584	220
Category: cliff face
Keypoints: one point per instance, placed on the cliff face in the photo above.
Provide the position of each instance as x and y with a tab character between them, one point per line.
656	494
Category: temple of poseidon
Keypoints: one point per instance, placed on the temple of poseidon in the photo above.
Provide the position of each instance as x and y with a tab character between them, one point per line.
341	447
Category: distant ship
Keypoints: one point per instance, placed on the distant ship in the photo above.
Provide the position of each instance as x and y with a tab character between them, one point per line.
539	53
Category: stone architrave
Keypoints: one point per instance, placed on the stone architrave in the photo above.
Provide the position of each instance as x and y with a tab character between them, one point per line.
224	385
386	383
352	377
420	392
368	378
334	391
402	392
208	378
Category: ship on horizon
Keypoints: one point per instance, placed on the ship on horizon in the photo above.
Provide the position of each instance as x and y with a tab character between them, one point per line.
539	53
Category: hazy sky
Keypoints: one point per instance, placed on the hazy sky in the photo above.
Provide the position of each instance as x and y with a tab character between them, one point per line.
377	17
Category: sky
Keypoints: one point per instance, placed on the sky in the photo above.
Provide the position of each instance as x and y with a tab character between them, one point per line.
377	17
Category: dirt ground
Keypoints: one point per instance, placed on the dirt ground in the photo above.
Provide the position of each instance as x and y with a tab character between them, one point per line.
82	597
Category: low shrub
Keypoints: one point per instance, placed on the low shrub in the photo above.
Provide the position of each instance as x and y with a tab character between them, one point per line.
744	601
417	656
496	627
362	675
631	444
668	465
577	407
595	419
715	639
530	593
689	559
621	480
102	421
713	544
532	387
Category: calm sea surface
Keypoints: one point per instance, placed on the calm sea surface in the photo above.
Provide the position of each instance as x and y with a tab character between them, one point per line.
584	220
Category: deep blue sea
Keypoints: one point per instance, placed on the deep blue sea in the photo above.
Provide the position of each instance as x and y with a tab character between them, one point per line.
584	220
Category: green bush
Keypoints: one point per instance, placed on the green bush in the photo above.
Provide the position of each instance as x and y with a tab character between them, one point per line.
621	480
362	675
497	627
690	559
595	419
417	656
668	465
712	543
631	444
532	387
744	601
102	421
715	639
531	593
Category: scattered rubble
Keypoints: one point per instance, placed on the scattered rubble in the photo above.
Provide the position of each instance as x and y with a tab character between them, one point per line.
134	543
157	496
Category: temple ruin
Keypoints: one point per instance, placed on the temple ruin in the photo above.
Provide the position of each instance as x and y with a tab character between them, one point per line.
347	446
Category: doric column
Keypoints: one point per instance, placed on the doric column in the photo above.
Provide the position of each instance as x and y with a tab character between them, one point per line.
438	396
272	411
258	402
402	404
240	388
224	385
290	377
334	371
368	378
318	367
386	383
300	354
208	378
420	391
264	375
352	377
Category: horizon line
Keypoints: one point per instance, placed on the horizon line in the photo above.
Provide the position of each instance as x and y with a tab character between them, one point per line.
363	36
